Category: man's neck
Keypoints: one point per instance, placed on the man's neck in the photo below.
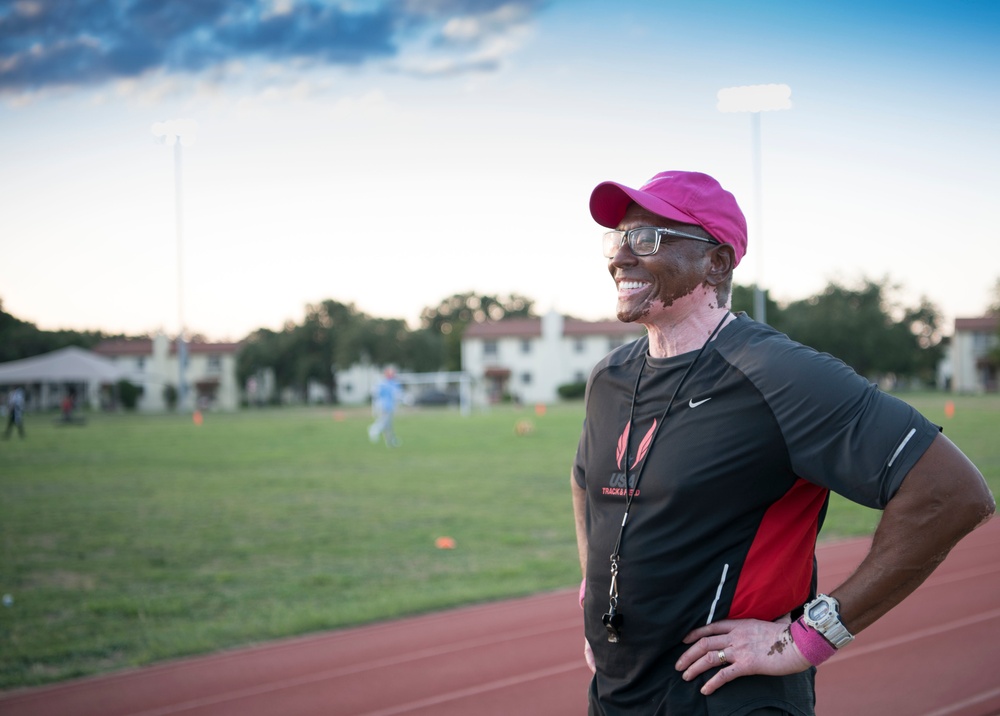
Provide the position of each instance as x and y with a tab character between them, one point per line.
685	333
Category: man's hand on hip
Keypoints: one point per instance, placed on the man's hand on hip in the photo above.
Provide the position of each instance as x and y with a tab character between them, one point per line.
742	647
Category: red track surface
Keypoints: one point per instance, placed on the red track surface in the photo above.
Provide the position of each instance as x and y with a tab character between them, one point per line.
934	655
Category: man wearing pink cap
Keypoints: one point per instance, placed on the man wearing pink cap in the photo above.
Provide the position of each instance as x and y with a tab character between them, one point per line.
704	469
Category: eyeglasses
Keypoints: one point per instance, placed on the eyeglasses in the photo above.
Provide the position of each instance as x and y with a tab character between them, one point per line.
644	240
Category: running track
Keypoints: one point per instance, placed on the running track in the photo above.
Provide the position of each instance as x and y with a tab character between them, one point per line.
937	654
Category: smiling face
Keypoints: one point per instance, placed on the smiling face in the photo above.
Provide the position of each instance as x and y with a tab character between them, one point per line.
682	277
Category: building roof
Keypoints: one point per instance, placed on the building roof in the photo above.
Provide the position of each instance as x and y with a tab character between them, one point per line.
144	347
66	365
576	327
532	328
509	328
982	324
125	347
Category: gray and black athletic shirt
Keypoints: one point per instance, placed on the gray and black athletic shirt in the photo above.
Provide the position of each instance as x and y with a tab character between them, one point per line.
726	512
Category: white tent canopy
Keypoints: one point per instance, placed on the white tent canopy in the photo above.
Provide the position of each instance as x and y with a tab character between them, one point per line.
66	365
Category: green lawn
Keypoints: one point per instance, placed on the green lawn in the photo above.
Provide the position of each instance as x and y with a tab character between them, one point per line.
137	538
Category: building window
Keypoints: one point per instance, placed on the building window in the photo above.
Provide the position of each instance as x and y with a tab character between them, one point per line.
489	348
578	345
579	377
982	342
214	364
140	364
525	345
526	378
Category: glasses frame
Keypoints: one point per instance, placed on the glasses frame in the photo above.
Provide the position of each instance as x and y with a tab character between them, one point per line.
627	236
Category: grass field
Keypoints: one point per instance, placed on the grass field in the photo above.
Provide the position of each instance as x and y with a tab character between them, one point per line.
134	539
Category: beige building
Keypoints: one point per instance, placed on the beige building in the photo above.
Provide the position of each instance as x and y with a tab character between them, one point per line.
210	373
529	358
971	370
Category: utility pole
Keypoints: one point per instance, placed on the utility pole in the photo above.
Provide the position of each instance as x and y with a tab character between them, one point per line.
756	99
178	132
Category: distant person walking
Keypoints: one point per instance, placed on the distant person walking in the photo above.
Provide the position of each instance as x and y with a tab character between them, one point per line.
15	412
67	406
386	398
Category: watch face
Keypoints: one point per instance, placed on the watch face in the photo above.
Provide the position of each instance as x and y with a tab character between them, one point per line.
818	611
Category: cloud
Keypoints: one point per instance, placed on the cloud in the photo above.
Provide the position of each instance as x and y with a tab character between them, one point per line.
372	104
474	28
48	44
467	40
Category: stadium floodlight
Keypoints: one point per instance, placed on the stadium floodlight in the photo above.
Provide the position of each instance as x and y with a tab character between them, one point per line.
175	133
756	99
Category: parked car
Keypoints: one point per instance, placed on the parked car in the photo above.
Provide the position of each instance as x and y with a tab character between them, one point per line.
433	396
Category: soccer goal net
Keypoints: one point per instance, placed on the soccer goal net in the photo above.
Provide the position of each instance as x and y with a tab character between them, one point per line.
441	388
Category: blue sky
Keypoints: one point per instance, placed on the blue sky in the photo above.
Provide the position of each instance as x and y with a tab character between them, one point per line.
390	154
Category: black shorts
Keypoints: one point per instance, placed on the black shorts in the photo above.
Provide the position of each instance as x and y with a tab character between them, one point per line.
794	695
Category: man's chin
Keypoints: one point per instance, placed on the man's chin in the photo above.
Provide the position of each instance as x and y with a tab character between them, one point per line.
630	314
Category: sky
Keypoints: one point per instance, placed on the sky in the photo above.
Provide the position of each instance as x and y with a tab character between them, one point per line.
390	154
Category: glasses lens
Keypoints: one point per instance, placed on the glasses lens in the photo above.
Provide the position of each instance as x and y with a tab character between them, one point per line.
642	241
612	240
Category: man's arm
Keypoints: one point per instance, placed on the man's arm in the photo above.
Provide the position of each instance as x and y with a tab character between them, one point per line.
580	517
942	498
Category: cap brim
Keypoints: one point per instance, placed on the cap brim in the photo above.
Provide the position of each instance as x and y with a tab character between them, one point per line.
609	201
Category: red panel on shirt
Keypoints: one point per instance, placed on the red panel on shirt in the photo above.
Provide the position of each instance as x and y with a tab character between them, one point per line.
778	569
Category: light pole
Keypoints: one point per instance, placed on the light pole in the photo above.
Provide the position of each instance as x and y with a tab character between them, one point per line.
178	132
756	99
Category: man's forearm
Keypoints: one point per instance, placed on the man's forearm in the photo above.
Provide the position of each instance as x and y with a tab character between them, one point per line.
941	499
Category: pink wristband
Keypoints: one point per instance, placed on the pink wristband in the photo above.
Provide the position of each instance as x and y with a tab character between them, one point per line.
583	591
813	645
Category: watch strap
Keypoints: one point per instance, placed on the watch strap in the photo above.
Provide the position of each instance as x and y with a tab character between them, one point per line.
810	643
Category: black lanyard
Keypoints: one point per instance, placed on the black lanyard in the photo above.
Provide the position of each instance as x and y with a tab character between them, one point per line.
613	620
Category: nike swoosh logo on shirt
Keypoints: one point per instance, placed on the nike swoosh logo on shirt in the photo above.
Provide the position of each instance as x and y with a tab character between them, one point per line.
692	404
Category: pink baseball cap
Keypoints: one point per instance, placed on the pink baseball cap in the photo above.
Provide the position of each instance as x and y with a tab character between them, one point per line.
688	197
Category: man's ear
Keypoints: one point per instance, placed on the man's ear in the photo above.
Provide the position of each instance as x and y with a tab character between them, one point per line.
723	259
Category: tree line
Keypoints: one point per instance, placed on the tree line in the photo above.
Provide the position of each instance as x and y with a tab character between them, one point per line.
865	325
23	339
334	336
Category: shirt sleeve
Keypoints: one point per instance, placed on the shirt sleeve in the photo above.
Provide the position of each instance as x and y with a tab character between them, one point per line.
841	431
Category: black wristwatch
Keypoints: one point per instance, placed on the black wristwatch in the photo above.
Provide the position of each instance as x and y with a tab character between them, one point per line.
823	615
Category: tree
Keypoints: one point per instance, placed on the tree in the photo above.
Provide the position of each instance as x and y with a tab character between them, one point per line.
424	351
455	313
170	396
315	342
302	353
743	300
381	340
994	310
924	325
21	339
866	329
262	349
994	307
129	394
334	336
